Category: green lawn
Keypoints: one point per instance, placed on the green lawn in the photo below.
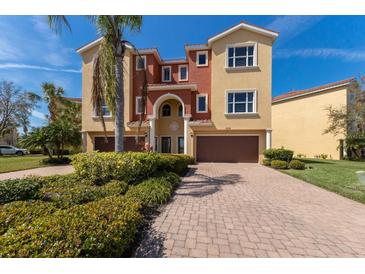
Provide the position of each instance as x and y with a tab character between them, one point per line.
13	163
336	176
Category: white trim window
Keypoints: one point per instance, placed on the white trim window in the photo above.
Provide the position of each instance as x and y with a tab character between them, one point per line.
166	74
241	102
104	111
139	109
241	56
202	103
183	73
202	58
141	62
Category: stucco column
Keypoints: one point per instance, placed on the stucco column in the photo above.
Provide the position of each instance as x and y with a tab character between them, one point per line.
268	138
152	122
186	131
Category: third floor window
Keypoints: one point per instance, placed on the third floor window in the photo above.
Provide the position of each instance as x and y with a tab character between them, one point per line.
166	74
241	56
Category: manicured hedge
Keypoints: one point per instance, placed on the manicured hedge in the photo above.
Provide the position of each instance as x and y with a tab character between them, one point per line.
103	228
177	163
266	162
279	164
130	167
22	213
64	197
92	213
19	189
296	164
279	154
152	192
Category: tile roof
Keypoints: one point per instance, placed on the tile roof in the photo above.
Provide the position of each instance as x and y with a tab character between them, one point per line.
326	87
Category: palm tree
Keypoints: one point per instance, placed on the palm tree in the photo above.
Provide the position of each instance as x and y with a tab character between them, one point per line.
53	96
108	76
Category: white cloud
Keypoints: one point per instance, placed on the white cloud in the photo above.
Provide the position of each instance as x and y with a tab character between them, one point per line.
32	40
347	55
25	66
290	26
39	115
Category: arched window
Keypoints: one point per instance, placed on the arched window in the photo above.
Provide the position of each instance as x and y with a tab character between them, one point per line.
180	111
166	110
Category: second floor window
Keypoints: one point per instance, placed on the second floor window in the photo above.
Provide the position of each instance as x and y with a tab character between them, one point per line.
201	103
139	105
241	102
242	56
183	73
166	74
140	62
104	111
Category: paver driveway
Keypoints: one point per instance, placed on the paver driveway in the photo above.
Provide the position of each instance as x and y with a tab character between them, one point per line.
247	210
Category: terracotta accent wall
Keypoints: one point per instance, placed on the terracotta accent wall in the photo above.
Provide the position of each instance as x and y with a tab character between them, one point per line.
153	73
185	96
202	77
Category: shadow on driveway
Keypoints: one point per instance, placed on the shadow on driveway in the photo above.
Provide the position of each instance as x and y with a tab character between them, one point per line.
200	185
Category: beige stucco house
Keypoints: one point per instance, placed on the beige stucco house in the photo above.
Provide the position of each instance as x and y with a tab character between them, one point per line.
299	119
215	104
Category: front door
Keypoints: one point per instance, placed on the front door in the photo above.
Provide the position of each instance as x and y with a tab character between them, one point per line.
166	144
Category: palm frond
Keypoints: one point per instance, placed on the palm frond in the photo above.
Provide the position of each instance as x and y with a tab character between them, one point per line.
143	90
103	87
57	22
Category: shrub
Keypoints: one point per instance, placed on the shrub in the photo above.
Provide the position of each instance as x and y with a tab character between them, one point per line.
68	180
266	162
65	197
151	193
19	189
177	163
104	228
301	155
128	166
170	177
279	154
279	164
23	213
296	164
57	161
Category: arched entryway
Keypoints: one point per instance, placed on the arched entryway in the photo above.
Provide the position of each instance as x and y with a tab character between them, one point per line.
169	125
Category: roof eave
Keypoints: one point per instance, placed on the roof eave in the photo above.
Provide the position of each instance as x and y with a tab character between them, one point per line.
269	33
311	92
93	44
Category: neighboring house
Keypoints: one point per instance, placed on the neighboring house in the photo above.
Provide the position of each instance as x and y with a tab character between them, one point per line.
215	104
299	119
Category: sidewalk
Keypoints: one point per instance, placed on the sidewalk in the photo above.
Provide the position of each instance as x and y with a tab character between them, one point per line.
42	171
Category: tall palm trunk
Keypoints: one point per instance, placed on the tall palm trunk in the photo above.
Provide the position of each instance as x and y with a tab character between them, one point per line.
119	104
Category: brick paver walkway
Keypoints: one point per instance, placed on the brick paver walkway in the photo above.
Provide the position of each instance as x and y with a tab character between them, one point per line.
247	210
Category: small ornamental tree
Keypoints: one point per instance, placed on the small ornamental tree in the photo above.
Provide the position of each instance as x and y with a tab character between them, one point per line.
349	120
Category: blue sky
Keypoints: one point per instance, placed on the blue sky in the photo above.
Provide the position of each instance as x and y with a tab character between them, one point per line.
310	51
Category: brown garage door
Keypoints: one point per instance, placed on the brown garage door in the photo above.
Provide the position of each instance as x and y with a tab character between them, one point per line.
227	149
129	144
